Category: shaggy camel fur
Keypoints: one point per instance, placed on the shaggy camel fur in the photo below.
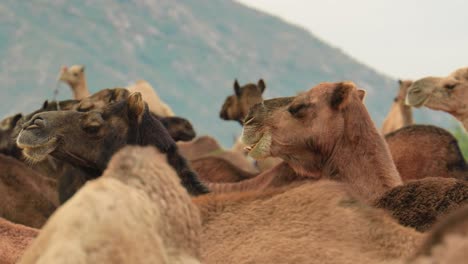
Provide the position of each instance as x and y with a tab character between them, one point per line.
14	239
400	114
421	151
315	222
154	222
236	107
75	77
420	204
328	129
26	197
87	140
155	104
215	169
447	242
448	94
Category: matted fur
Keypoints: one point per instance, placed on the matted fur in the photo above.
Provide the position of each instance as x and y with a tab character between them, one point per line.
137	212
14	239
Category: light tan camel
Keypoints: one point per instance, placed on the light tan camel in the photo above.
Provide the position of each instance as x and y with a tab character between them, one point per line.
448	94
75	77
137	212
400	114
155	103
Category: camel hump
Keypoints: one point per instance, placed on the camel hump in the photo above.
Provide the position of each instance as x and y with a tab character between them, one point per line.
155	104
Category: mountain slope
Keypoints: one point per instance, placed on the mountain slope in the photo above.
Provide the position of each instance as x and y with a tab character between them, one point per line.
190	51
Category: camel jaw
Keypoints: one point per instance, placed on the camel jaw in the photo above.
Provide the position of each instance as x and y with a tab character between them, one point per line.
261	148
36	152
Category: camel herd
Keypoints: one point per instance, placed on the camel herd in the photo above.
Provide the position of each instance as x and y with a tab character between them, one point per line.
117	177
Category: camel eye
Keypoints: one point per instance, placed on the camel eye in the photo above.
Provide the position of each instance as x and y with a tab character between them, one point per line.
450	86
298	110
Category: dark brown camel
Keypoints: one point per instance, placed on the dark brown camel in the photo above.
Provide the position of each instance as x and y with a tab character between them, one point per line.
87	140
331	122
26	197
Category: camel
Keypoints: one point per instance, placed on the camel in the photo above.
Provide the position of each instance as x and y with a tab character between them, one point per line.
400	114
7	144
27	197
179	128
236	107
154	222
447	242
155	103
448	94
215	169
75	77
421	151
14	239
207	147
328	129
87	140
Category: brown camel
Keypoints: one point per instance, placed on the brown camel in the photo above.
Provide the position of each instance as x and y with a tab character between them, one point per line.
400	114
153	222
331	122
421	151
26	197
7	144
206	146
75	77
215	169
447	242
236	107
448	94
14	239
315	222
87	140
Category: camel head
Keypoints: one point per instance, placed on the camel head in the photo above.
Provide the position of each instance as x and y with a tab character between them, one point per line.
237	106
7	127
84	139
72	75
448	94
102	98
179	128
309	124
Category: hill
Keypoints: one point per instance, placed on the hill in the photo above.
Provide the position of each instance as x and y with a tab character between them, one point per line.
190	51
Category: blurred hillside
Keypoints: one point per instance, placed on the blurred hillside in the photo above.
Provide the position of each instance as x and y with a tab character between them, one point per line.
190	51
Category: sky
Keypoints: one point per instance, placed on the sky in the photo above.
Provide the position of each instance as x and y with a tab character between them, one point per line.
406	39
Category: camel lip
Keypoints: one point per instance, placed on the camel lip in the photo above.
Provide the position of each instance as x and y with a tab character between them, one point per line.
38	152
20	142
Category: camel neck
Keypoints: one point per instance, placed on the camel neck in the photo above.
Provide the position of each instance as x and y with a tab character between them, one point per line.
80	90
362	158
406	114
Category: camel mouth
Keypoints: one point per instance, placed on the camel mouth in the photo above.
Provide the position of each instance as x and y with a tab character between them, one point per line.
36	152
259	149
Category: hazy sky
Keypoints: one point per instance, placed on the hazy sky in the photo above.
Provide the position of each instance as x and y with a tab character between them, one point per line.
401	38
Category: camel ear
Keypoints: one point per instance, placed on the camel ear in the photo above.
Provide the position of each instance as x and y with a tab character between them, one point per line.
82	68
400	82
341	95
136	105
237	88
261	85
45	104
361	94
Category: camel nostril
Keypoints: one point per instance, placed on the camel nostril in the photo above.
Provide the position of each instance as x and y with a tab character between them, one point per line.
38	122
